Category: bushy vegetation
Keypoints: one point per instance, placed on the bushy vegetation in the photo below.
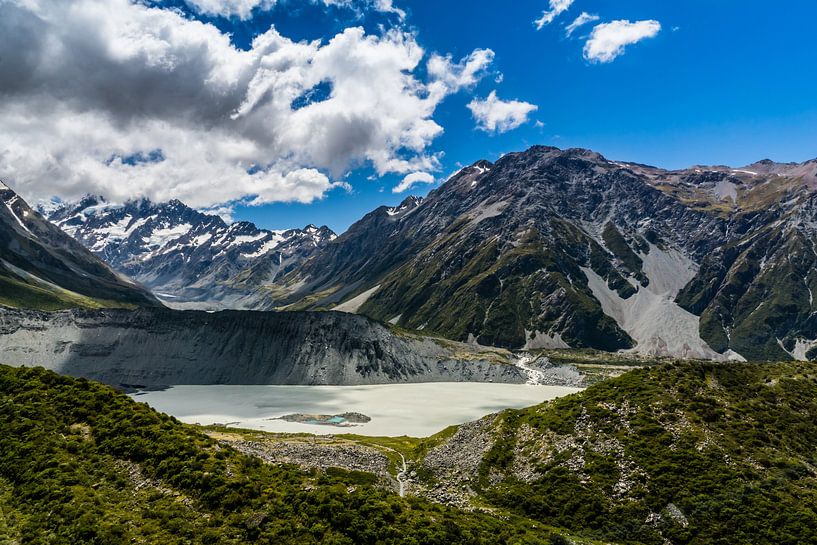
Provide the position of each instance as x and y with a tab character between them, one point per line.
83	464
687	453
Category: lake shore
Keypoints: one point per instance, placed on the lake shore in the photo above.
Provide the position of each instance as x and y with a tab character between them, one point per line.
416	410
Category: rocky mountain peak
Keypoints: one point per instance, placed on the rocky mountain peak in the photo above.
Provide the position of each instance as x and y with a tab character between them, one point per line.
41	263
408	205
177	250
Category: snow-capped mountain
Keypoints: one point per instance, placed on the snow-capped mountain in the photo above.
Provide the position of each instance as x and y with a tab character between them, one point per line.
41	267
183	255
553	248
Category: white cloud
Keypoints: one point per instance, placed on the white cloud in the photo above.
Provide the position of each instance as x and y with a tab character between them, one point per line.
243	8
387	6
93	82
230	8
608	40
493	114
449	77
580	21
557	7
413	179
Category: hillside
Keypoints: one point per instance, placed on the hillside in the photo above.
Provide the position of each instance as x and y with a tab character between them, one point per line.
688	453
42	267
81	463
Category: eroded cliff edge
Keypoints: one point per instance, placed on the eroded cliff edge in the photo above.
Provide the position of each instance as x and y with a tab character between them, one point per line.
157	347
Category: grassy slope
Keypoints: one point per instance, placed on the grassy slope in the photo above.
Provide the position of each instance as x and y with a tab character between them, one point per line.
457	287
81	463
733	447
18	294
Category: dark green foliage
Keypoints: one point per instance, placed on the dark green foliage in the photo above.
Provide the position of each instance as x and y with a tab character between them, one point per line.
709	454
83	464
600	263
617	244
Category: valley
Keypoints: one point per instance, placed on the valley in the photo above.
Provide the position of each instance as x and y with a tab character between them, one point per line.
651	456
531	354
382	272
545	248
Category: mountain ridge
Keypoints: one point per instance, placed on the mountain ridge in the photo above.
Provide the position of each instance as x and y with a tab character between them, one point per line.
43	267
550	248
694	213
186	256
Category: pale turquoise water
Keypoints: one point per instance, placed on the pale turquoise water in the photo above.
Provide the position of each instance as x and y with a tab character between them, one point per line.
417	410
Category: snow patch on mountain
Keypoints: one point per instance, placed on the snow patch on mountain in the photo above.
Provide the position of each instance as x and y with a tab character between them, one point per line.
179	251
9	204
268	246
409	205
162	236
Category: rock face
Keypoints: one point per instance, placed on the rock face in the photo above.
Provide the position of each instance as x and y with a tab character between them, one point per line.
552	248
154	347
42	267
501	253
186	257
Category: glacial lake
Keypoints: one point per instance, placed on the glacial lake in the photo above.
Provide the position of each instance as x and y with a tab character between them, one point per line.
416	410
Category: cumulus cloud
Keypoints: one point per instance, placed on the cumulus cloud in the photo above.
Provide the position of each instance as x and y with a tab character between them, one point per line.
609	40
557	7
413	179
580	21
495	115
93	82
449	77
230	8
243	9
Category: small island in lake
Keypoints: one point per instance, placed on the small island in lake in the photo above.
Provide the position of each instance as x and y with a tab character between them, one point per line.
338	420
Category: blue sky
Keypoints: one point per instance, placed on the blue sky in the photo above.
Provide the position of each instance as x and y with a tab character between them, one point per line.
726	82
722	82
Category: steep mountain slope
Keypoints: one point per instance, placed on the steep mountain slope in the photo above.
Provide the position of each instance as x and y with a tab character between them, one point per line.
546	248
755	293
154	347
552	248
181	254
42	267
686	453
81	463
501	254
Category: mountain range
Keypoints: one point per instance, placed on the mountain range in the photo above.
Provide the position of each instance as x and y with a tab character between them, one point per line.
554	248
188	258
545	248
42	267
